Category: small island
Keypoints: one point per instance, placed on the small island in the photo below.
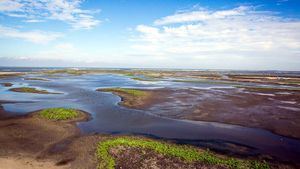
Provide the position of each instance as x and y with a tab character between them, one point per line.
60	114
131	98
36	78
31	90
6	84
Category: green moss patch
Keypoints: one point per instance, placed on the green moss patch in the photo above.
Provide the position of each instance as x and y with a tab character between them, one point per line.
59	113
186	153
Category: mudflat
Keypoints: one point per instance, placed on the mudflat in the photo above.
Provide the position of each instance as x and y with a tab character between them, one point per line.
276	110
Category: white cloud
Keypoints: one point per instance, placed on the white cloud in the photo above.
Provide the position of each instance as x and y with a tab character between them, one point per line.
32	36
33	21
202	15
242	31
63	10
8	5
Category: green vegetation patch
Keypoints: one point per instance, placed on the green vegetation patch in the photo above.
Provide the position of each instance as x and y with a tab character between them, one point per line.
66	71
59	113
133	92
36	78
186	153
30	90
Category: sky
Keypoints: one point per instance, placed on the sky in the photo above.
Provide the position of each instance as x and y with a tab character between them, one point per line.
184	34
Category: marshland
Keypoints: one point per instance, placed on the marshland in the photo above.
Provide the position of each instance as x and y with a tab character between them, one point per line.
196	117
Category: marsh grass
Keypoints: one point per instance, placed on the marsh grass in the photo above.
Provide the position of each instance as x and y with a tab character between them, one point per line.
31	90
28	90
59	113
133	92
66	71
36	78
186	153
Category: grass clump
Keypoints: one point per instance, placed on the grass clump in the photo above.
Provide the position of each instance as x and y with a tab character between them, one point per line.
133	92
30	90
59	113
186	153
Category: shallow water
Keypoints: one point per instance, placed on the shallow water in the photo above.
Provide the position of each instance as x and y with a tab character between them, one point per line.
109	117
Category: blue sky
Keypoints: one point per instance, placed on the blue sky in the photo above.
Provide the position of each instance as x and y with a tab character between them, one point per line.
252	35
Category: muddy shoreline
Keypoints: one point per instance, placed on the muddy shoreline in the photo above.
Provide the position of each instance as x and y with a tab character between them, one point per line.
238	112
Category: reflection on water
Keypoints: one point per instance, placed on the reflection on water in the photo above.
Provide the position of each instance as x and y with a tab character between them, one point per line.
108	117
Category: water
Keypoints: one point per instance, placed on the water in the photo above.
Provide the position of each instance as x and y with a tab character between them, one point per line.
109	117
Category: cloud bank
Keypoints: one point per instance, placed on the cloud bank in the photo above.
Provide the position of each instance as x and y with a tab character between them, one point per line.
241	33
